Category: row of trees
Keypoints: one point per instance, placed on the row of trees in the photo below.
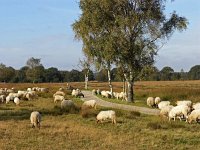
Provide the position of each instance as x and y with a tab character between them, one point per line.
35	72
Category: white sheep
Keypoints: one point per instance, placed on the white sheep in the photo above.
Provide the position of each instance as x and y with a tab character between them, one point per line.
150	102
67	104
162	104
2	98
105	94
103	115
98	91
194	116
77	93
35	119
157	101
184	102
196	106
29	89
164	112
59	93
9	98
90	103
58	98
122	96
179	111
22	94
16	100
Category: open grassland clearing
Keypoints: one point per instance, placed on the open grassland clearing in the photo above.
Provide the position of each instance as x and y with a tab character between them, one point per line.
79	130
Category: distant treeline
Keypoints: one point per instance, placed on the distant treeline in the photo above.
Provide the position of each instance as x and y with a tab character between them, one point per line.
39	74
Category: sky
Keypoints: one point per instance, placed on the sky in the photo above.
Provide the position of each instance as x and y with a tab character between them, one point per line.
42	29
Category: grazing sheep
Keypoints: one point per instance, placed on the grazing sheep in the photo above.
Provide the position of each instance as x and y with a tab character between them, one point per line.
58	98
150	102
59	93
29	89
22	94
77	93
105	94
35	119
10	97
179	111
194	116
103	115
28	96
2	98
80	94
162	104
69	104
16	100
33	94
157	101
164	112
196	106
184	102
98	92
90	103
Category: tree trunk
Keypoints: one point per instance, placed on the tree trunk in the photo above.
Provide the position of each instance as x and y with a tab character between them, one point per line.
124	89
110	83
130	92
86	80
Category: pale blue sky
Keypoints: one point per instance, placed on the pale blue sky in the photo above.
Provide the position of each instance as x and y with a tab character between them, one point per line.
42	29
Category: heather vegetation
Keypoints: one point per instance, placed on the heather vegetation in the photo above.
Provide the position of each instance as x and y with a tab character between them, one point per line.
62	129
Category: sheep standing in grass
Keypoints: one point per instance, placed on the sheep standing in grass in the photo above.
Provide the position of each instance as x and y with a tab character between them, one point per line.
164	112
179	111
103	115
59	93
9	98
90	103
98	92
16	100
196	106
67	104
58	98
184	102
2	98
150	102
77	93
162	104
194	116
157	101
105	94
35	119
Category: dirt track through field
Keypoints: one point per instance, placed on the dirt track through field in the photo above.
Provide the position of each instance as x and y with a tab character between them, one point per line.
148	111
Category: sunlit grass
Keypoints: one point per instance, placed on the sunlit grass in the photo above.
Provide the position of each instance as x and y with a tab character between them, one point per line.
71	130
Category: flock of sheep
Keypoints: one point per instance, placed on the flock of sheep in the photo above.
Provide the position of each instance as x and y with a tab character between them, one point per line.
103	115
7	95
108	94
184	109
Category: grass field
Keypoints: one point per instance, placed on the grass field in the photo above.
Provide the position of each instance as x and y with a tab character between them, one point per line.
69	130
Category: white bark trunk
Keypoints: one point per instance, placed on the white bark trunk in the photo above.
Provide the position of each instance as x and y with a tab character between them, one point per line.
86	79
110	83
130	92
